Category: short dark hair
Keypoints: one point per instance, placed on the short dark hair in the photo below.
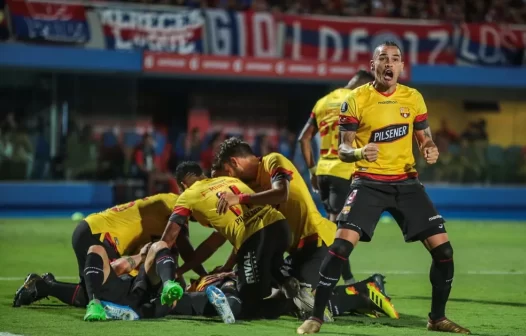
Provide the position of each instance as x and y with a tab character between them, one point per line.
364	75
187	168
232	147
388	44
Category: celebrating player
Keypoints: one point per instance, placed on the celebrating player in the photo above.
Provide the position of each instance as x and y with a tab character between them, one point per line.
381	118
121	230
260	234
331	177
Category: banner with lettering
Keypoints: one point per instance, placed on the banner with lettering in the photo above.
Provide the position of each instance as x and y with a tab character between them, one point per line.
179	32
353	40
49	22
489	45
230	33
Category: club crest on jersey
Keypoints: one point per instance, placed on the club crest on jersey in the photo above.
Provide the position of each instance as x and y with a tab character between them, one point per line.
404	112
344	107
390	133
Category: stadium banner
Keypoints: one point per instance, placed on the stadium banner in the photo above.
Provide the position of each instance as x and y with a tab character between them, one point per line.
489	45
230	33
251	67
179	32
353	40
49	21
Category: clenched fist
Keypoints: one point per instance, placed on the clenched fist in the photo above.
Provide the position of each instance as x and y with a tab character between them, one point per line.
370	152
431	154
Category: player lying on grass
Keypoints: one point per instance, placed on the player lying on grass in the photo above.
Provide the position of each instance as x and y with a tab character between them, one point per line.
260	235
121	230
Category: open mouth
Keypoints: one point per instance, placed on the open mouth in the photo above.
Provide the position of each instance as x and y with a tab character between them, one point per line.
388	74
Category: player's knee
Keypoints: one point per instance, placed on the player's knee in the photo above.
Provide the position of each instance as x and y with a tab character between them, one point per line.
97	249
158	246
443	252
341	248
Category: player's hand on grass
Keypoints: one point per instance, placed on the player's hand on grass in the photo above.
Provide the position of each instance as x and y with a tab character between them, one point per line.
314	183
430	154
370	152
226	201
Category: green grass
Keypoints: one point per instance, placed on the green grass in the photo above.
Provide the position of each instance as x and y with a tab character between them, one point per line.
492	303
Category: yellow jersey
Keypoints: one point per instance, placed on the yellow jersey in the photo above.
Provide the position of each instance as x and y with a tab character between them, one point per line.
325	115
388	121
128	227
237	224
305	221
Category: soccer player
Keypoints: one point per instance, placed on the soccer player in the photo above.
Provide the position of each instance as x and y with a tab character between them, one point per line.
381	119
260	234
121	230
277	182
104	283
331	177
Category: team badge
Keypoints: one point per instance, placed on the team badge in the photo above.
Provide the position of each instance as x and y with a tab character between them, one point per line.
344	107
404	112
350	198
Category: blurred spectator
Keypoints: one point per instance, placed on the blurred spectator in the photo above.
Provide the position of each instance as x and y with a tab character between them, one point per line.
82	154
263	146
476	131
193	145
444	132
207	156
287	143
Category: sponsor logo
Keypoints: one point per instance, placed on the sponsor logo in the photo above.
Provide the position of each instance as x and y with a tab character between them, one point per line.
346	209
404	112
390	133
350	198
435	217
250	268
388	102
344	107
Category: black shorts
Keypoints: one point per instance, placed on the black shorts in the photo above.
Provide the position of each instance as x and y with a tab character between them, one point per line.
259	262
407	202
333	191
304	264
82	240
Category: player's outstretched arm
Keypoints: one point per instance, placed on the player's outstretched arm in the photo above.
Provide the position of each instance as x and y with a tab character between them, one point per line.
203	252
305	139
278	194
427	146
126	264
187	252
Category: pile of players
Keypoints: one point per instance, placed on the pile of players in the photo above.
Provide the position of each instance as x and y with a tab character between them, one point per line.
263	207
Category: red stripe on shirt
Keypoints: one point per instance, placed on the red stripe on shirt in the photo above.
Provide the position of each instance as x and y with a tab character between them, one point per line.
421	117
386	178
179	210
281	170
348	120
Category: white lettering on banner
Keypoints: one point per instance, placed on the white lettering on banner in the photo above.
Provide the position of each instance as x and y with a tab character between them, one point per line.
442	39
56	30
486	33
220	41
156	31
355	47
464	47
264	28
327	33
296	41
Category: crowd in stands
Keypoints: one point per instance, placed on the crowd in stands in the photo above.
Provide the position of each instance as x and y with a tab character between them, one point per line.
25	154
473	11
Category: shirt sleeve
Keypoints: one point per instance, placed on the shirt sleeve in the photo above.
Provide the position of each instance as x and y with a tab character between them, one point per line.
312	119
349	119
279	168
420	122
182	210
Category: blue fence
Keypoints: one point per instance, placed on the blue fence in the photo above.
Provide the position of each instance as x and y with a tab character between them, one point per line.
58	199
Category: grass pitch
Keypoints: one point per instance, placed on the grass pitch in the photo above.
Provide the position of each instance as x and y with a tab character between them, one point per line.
489	293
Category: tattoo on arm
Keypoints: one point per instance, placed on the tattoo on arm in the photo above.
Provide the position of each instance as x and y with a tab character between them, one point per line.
346	150
427	133
132	262
425	138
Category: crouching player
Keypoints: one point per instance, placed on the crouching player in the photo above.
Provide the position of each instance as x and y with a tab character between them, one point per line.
111	294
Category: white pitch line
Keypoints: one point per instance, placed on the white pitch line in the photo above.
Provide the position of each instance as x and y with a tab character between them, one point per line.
395	272
3	333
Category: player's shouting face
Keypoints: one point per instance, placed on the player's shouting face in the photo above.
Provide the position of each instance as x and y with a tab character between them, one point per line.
387	65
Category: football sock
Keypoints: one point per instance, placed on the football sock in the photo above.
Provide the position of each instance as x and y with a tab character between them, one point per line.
165	265
94	275
68	293
441	276
330	271
346	272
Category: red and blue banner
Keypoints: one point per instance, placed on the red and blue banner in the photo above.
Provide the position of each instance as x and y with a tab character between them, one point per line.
179	32
489	45
49	22
352	40
252	34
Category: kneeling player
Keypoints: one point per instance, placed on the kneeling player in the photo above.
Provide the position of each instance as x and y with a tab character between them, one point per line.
104	284
259	233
